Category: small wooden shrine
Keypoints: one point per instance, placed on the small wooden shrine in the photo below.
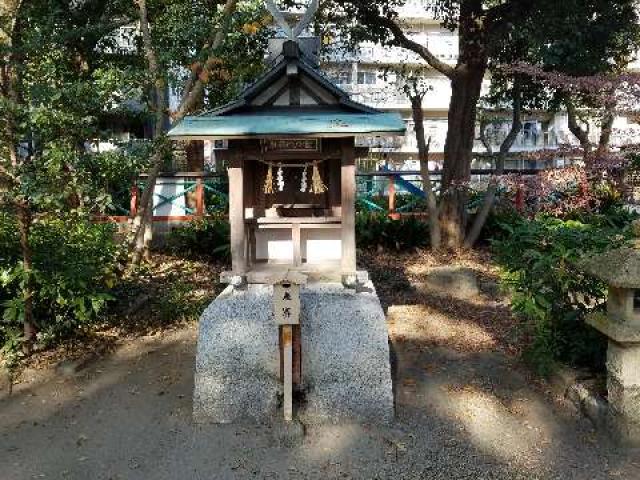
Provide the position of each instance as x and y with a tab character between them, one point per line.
291	162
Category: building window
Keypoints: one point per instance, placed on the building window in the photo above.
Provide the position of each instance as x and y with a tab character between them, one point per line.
367	78
636	301
343	77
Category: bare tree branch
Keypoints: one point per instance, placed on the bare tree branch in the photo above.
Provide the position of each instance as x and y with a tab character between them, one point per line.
190	100
423	152
405	42
138	245
484	123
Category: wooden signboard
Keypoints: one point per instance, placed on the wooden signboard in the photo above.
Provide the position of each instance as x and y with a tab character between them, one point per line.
292	145
286	311
286	303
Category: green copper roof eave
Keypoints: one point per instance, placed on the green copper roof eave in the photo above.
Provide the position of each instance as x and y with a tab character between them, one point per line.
290	124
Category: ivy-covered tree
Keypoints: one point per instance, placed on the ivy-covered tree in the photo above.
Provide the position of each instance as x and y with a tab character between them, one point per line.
207	50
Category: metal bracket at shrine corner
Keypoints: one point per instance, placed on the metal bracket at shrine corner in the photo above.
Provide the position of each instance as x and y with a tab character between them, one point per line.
292	33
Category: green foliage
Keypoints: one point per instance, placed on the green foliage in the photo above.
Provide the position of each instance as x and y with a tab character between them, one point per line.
114	172
208	237
181	28
9	241
377	229
538	258
179	305
75	264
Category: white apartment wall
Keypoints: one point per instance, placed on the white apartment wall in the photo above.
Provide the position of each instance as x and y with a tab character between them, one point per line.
385	93
418	10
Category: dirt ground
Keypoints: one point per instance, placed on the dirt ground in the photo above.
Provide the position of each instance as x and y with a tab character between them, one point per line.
466	409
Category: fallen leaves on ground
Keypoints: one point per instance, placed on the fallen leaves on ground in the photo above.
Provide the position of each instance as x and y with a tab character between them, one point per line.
481	323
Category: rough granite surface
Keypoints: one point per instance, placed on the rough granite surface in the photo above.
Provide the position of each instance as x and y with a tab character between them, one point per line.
345	357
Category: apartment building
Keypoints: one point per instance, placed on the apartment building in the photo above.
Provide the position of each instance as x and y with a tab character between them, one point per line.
368	75
365	74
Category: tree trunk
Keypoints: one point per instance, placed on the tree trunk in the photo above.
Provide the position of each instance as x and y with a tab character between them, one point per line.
9	13
9	89
192	94
490	195
580	133
606	128
458	153
145	212
24	225
423	152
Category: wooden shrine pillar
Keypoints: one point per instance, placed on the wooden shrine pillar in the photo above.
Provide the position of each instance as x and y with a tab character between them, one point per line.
236	215
348	199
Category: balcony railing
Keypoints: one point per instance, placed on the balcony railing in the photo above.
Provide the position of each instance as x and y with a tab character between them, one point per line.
378	54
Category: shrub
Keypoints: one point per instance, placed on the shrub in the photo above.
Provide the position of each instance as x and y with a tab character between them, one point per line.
75	264
179	304
114	172
538	259
208	237
377	229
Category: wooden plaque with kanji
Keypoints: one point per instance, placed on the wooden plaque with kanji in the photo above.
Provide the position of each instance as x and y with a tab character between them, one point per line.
286	303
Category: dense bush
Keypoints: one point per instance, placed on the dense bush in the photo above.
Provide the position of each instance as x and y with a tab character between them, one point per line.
114	173
75	264
377	229
9	249
538	256
207	237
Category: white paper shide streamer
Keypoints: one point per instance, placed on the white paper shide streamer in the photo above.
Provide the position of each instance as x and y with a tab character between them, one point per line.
280	179
303	182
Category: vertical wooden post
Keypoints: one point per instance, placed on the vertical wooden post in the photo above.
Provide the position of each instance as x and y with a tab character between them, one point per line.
392	198
297	244
199	197
286	312
236	215
135	194
287	356
297	356
348	199
520	197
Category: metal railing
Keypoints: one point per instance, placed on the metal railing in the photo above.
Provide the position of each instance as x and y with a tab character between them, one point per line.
398	193
199	195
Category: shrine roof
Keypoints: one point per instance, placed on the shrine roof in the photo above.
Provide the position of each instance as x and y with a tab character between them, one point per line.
293	98
316	123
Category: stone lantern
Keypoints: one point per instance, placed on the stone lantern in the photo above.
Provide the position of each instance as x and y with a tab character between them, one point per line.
620	269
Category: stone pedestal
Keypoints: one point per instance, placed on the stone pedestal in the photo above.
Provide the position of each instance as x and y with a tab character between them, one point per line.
623	374
346	374
237	363
623	385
